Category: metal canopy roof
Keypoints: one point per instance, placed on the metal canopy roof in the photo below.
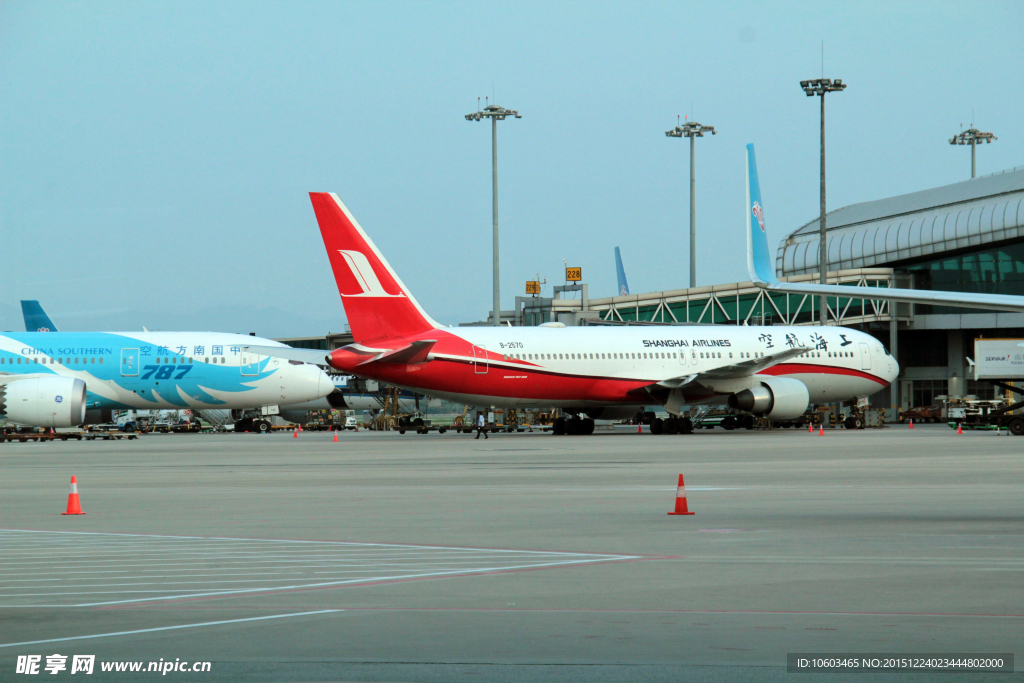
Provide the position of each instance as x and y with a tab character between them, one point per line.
969	213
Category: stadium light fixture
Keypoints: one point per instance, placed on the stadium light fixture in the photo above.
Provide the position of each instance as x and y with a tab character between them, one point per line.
818	87
972	136
495	114
692	130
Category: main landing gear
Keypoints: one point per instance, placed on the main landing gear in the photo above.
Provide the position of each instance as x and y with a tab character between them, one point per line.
672	425
573	426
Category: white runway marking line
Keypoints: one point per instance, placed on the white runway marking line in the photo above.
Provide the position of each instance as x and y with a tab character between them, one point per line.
170	628
133	568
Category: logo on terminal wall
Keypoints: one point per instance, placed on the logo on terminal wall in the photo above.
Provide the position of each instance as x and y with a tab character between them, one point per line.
758	214
58	399
362	271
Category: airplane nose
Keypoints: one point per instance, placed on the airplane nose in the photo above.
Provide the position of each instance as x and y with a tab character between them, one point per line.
306	383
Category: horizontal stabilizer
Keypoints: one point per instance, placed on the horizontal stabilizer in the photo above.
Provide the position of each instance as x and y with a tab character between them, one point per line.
412	354
762	271
311	356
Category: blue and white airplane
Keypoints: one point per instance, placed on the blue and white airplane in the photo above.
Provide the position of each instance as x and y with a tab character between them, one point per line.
341	397
63	379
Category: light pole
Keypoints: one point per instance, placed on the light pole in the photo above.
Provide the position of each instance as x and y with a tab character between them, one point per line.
692	129
972	136
495	114
820	86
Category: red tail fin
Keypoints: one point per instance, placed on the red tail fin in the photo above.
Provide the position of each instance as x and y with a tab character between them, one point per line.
376	302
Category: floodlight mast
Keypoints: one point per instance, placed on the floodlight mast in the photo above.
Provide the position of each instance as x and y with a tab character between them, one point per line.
820	86
692	129
972	136
495	114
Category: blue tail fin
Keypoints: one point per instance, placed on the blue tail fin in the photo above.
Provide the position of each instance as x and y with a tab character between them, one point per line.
759	261
36	319
621	273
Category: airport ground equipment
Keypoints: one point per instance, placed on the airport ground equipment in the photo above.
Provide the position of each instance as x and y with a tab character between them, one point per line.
922	414
999	362
984	415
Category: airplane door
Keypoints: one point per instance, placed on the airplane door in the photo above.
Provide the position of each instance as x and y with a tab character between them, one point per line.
693	356
480	360
129	362
865	356
250	364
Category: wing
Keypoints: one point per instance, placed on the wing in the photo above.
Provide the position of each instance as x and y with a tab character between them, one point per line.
742	369
7	378
311	356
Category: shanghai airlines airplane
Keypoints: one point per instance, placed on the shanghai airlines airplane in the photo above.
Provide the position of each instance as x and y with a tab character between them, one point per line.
598	372
63	379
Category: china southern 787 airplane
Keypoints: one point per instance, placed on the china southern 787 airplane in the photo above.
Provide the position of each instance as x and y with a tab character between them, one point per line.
62	379
601	372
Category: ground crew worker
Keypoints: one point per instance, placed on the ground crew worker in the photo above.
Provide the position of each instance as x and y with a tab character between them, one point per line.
480	426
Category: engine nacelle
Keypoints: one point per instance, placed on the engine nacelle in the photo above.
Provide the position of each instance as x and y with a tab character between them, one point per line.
779	398
44	401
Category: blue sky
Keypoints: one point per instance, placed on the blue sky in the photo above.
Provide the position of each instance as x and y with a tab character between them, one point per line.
155	157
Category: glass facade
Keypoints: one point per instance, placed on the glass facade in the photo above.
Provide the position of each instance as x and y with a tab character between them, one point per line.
927	390
998	270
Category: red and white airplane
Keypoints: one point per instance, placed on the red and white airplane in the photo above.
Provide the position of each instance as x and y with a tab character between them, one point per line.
588	372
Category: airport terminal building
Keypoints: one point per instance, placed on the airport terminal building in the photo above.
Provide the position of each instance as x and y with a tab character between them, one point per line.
965	237
968	236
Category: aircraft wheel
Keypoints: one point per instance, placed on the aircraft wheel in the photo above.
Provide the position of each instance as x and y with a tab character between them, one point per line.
729	423
685	425
657	426
558	427
672	425
588	426
574	427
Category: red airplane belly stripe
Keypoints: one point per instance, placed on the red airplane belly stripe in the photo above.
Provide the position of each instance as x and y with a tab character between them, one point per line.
524	383
806	368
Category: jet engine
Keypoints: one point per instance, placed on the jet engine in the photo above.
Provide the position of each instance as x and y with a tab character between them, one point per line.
44	401
780	398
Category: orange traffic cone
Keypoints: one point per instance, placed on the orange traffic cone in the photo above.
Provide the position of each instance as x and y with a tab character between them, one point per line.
911	423
821	430
810	427
295	434
639	428
681	508
74	507
959	428
335	437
